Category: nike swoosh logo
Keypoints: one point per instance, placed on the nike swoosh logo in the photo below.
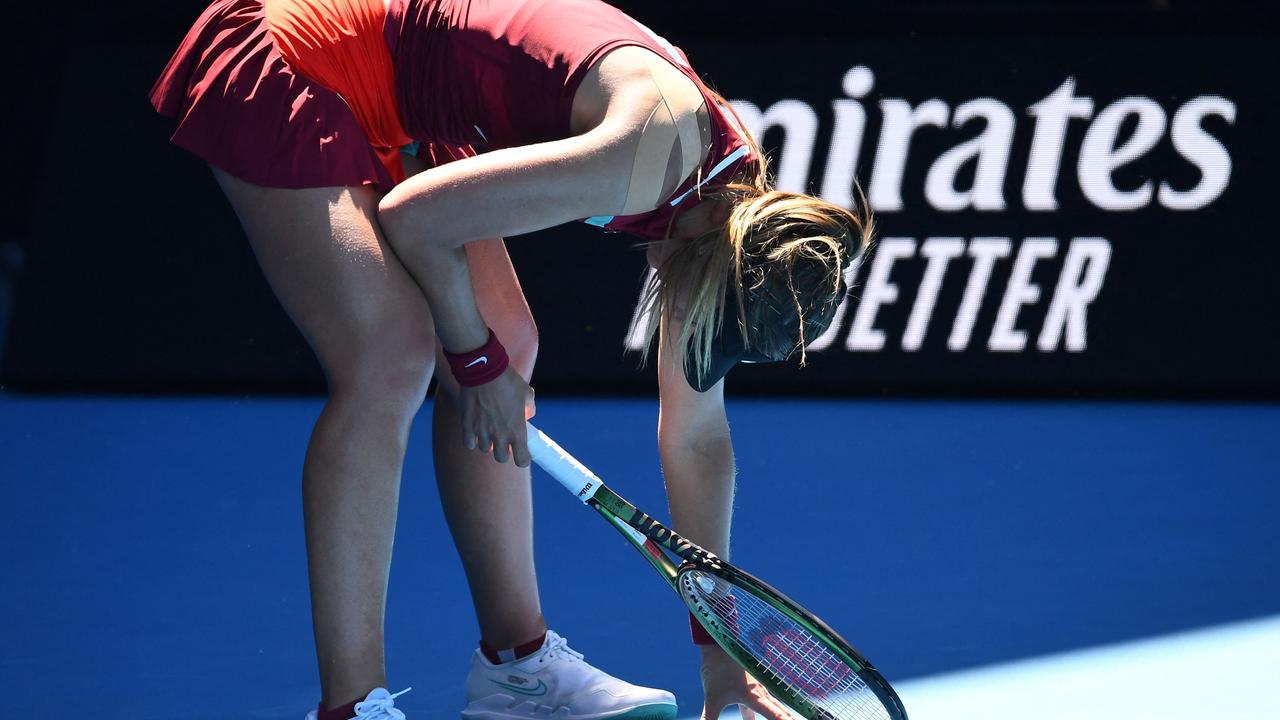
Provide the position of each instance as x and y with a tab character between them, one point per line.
541	689
482	359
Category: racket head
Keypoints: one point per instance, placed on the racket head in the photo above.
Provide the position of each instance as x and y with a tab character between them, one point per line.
796	656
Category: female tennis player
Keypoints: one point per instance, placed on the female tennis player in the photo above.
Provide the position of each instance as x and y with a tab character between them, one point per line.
376	152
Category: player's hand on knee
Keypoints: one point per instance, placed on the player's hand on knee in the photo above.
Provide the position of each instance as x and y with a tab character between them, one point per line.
494	415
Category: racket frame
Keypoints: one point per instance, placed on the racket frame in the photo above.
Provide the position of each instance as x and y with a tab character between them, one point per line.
650	538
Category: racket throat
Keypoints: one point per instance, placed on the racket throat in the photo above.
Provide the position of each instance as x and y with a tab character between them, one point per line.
651	529
673	541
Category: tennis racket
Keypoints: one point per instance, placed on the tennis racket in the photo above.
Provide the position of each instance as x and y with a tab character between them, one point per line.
800	660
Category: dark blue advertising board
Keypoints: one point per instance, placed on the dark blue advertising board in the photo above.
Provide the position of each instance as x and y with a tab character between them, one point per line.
1076	211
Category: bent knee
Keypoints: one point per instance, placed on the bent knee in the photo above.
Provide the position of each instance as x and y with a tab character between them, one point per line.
389	374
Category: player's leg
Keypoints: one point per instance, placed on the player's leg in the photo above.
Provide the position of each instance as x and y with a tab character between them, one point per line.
488	504
489	508
368	323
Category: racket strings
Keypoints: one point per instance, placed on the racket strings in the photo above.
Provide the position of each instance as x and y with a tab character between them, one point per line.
783	649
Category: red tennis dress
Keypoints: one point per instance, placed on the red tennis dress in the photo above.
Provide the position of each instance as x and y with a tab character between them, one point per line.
294	93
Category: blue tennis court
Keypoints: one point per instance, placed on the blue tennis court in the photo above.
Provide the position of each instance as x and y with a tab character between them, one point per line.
1030	467
155	559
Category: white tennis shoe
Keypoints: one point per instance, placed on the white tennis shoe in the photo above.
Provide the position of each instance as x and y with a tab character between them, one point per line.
555	683
379	704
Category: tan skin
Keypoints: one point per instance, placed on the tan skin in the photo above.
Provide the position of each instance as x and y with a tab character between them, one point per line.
328	262
366	286
541	186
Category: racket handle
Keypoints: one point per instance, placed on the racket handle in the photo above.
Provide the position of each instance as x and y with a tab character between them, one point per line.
559	464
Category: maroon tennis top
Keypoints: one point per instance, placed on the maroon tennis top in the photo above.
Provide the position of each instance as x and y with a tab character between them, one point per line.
496	73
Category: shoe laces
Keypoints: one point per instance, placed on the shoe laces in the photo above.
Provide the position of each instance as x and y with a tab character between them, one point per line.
559	647
382	708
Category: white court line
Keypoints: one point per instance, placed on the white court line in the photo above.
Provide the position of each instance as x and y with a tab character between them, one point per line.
1230	672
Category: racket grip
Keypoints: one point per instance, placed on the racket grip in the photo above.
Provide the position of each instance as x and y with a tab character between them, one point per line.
559	464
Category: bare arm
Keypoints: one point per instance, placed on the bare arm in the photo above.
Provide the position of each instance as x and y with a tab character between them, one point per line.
696	452
430	217
697	463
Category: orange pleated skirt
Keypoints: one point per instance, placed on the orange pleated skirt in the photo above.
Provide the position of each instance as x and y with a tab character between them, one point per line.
288	93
